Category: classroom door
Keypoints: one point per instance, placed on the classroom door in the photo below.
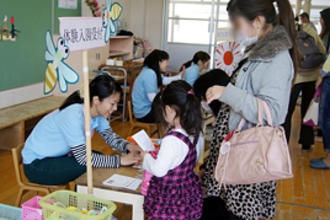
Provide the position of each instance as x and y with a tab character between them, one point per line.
190	26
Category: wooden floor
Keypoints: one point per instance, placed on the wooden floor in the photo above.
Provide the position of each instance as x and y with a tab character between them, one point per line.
306	196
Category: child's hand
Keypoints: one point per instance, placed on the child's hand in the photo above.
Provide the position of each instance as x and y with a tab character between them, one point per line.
129	159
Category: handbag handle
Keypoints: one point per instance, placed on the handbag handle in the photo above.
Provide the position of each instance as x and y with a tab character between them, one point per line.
317	92
262	106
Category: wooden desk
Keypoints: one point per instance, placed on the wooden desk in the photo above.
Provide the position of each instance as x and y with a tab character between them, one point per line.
14	119
134	198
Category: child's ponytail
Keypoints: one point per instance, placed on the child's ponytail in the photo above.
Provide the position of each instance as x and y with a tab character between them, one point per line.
191	119
179	95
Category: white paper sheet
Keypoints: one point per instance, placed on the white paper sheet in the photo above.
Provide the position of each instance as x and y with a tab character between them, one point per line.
121	181
67	4
143	140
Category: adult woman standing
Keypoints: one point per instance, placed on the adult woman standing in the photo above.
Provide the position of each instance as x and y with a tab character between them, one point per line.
55	151
304	83
266	73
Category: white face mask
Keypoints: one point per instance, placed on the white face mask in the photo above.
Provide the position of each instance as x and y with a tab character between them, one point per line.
245	40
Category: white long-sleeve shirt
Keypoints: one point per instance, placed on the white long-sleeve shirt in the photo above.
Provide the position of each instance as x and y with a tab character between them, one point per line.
171	154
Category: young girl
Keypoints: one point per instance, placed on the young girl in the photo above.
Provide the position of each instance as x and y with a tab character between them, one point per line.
174	191
55	151
194	67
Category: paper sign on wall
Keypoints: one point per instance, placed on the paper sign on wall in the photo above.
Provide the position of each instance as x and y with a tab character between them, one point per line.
82	33
227	56
68	4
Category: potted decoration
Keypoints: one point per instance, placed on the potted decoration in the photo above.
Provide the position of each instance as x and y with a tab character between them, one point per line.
94	7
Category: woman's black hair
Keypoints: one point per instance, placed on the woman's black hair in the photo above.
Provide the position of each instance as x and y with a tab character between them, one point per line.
250	9
325	15
101	86
198	56
152	61
180	97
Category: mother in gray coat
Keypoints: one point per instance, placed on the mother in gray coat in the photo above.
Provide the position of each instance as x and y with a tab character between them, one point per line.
266	72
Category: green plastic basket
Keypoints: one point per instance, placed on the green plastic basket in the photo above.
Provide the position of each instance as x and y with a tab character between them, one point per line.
77	200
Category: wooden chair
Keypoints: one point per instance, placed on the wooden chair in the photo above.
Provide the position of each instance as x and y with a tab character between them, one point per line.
26	185
150	128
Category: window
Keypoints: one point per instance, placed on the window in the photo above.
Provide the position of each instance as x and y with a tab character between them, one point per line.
189	21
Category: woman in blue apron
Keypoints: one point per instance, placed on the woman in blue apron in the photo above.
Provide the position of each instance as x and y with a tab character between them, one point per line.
55	151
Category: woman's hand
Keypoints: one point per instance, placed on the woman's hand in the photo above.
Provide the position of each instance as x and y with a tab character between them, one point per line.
129	159
183	72
214	93
141	155
133	148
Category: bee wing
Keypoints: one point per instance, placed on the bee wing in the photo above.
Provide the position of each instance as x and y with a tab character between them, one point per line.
50	53
107	33
66	76
112	28
116	10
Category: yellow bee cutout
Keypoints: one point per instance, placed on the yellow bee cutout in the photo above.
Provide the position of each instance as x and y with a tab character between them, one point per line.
57	70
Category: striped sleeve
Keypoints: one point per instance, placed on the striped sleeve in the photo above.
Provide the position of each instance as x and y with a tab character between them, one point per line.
98	160
113	140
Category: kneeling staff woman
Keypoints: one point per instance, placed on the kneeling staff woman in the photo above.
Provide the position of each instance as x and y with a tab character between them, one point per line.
55	151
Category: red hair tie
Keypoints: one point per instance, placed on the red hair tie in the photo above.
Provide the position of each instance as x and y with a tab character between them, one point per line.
191	92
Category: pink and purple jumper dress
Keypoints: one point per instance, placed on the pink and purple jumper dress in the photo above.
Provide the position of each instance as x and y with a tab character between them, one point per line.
178	194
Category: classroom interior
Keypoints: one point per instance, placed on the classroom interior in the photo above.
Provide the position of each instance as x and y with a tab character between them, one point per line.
180	27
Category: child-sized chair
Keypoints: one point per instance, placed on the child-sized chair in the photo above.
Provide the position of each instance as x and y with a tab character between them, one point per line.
25	185
150	128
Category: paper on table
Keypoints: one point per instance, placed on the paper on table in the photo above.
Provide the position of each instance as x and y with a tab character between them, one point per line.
121	181
143	140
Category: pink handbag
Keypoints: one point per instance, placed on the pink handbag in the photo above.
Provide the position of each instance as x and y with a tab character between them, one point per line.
254	155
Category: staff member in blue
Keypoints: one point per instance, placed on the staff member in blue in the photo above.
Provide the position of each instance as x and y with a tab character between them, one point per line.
55	151
148	83
200	62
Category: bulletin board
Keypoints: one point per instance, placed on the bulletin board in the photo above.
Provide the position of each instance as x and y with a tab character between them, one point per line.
22	62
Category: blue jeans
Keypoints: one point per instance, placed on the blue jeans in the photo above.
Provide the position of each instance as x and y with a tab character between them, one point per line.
324	115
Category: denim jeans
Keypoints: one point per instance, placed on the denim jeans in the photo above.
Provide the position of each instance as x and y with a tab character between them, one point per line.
324	115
